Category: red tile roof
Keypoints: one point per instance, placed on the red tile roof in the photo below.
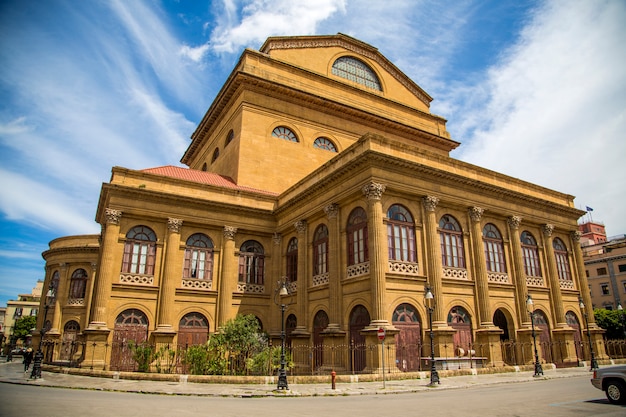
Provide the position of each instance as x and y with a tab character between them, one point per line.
201	177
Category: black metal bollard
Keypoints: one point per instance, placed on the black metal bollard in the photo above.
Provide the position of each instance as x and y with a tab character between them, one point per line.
36	373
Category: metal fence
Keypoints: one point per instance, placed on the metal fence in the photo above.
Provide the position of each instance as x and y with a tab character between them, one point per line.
320	359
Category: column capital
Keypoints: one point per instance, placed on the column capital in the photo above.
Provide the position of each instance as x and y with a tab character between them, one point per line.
277	238
514	222
112	216
174	225
430	202
476	213
300	226
230	232
576	235
332	210
373	190
547	229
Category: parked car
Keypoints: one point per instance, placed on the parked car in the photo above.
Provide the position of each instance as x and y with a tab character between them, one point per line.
612	381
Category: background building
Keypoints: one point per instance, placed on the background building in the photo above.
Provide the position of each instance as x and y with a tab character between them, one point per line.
25	305
605	266
320	164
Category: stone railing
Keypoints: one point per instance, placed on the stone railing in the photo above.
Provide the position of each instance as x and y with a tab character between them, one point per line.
137	279
75	301
250	288
358	270
197	284
455	273
320	279
534	281
404	268
499	277
566	284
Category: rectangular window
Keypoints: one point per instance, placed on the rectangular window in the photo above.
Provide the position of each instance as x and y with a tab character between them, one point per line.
601	271
624	284
621	268
605	289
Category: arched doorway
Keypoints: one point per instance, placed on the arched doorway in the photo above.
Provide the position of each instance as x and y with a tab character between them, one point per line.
193	329
359	318
499	319
290	325
572	320
130	326
68	342
320	322
508	346
543	335
460	321
408	340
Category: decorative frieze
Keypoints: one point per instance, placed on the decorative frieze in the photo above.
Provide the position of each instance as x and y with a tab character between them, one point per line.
476	213
430	202
320	279
405	268
514	222
300	226
136	279
197	284
455	273
230	232
332	210
547	229
373	190
358	270
174	225
112	216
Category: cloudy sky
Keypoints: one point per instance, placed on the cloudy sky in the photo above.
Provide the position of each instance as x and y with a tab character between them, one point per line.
533	89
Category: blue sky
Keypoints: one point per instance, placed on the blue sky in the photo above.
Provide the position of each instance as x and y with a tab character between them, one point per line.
533	89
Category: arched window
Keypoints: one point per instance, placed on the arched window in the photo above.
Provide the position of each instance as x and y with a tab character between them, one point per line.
530	253
292	260
193	329
78	284
54	286
320	250
204	167
229	137
198	257
562	264
357	237
357	71
216	154
251	262
400	234
324	143
285	133
139	251
494	248
451	238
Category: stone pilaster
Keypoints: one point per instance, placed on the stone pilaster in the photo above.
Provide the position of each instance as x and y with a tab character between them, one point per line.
228	279
553	277
334	279
518	274
170	278
480	268
433	259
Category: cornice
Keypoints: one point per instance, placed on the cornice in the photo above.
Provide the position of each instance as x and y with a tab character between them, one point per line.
70	250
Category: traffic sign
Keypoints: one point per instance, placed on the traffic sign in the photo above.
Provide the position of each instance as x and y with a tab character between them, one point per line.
381	334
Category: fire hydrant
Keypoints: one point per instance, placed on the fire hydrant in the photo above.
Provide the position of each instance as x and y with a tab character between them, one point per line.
333	376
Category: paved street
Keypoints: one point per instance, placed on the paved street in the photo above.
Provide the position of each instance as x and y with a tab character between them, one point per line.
566	397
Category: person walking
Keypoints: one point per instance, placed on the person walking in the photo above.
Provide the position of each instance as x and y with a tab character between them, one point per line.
28	358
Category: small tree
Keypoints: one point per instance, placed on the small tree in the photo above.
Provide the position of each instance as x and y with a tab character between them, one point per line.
24	326
612	321
143	354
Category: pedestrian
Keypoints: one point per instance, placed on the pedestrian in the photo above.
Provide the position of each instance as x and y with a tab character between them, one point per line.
28	358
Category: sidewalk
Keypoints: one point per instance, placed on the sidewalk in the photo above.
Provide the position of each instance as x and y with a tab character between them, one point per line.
12	373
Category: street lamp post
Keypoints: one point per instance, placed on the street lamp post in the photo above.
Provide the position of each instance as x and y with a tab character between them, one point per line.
38	358
594	362
530	308
429	303
281	292
622	319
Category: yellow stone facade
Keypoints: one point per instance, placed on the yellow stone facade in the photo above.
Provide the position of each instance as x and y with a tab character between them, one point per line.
245	184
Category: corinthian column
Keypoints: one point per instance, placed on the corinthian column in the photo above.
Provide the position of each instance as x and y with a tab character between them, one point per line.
378	256
171	276
480	269
553	277
433	259
583	284
107	270
228	278
302	295
519	274
335	304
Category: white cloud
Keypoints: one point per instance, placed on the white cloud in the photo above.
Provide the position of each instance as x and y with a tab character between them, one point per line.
260	19
555	109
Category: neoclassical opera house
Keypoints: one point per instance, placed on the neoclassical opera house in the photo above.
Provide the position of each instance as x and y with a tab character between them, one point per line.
319	163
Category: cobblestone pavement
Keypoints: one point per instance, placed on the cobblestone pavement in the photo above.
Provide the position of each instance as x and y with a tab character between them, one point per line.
12	372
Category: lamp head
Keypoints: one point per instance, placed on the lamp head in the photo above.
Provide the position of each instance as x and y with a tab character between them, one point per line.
581	304
529	303
619	306
429	298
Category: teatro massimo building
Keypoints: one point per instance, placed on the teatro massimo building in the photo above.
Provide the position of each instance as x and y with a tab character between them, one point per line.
320	164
